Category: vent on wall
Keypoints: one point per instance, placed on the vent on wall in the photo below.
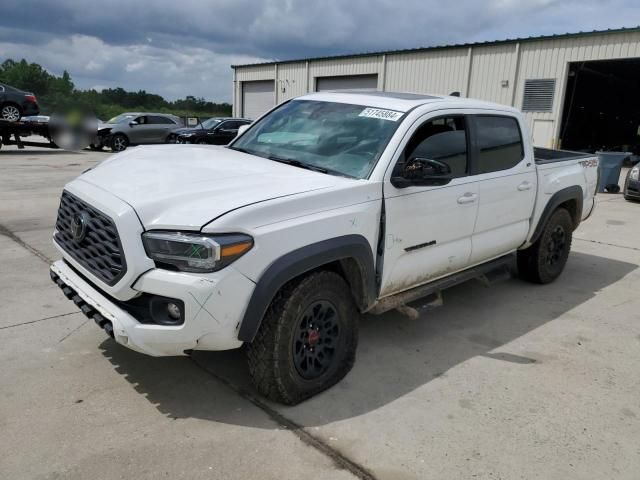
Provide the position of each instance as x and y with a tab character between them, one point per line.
538	95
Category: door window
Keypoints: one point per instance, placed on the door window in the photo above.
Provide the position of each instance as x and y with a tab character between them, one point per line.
158	120
142	120
499	143
443	139
161	120
229	126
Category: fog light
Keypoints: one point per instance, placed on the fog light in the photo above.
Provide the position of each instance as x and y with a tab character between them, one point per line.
166	311
173	311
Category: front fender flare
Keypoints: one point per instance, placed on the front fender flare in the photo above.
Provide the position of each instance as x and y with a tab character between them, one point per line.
303	260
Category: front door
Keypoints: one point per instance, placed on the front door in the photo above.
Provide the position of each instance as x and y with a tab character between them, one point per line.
429	228
225	132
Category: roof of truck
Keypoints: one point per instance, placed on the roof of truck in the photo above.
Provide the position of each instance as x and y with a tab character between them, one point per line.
400	101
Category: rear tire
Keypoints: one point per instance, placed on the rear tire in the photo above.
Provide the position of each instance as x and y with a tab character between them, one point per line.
119	142
307	340
545	260
10	112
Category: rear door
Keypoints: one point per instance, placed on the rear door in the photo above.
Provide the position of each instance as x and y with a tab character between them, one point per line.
506	177
158	128
429	228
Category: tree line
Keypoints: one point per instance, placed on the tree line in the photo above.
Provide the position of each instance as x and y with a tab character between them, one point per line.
58	93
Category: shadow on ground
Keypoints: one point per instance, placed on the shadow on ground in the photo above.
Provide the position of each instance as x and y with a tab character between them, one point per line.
396	355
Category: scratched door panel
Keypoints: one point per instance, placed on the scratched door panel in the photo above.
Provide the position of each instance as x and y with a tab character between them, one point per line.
428	234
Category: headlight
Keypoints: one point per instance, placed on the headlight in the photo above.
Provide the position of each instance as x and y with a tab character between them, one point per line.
187	134
195	252
635	173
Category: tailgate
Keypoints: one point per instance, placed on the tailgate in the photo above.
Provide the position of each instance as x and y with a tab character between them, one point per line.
591	176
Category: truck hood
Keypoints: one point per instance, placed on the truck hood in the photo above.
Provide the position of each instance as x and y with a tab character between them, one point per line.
186	187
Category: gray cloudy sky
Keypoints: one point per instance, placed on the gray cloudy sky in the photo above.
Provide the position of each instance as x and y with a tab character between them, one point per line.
184	47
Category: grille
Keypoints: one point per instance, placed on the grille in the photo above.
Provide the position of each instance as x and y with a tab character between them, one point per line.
100	250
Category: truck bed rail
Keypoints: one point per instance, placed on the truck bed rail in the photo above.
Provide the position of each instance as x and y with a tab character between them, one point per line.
550	155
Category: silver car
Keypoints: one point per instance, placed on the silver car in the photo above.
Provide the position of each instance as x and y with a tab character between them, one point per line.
136	128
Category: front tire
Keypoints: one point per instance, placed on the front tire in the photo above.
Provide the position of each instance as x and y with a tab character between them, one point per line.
545	260
10	112
307	340
119	142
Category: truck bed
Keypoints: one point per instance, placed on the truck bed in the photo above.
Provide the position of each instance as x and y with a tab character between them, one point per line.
549	155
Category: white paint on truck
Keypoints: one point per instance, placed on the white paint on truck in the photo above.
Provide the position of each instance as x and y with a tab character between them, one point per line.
417	232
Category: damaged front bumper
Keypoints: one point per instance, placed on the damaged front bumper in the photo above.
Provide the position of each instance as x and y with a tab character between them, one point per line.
209	323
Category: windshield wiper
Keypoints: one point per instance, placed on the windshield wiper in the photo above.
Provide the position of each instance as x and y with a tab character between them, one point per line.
297	163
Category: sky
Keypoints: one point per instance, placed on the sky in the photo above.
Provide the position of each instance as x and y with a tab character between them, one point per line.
185	47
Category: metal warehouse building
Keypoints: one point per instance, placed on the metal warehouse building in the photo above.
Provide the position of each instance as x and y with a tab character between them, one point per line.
579	91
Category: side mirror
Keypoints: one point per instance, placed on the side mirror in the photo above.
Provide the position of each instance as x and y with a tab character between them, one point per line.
133	123
242	129
422	172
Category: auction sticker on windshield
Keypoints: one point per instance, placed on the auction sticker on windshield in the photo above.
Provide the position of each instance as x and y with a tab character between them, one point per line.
381	114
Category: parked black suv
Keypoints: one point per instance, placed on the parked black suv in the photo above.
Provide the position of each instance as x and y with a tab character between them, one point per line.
15	104
214	131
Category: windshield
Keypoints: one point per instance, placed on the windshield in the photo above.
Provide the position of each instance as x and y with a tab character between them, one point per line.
210	123
341	138
123	117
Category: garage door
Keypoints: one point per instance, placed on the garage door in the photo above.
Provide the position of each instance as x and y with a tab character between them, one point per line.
257	98
347	82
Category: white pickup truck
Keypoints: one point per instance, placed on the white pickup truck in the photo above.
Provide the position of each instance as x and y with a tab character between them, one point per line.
329	206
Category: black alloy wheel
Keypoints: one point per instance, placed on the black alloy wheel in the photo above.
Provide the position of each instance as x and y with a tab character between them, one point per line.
317	336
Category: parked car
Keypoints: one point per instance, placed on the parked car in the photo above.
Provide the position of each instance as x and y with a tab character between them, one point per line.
632	184
15	103
135	128
213	131
329	206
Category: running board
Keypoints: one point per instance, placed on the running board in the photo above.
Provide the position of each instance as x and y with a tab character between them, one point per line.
488	273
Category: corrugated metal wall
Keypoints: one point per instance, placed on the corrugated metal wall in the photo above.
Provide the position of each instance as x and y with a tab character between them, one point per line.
495	72
440	72
491	68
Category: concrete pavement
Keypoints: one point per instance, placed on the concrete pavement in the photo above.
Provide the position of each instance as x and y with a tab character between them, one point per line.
508	381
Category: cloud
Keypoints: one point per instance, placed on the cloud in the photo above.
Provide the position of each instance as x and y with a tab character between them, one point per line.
179	48
171	73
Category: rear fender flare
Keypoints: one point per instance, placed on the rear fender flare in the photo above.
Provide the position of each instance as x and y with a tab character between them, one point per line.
561	196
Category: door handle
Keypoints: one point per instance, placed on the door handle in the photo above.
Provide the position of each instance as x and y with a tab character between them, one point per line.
468	197
525	186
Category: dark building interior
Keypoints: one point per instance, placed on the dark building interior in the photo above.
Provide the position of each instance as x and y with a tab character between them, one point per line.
602	106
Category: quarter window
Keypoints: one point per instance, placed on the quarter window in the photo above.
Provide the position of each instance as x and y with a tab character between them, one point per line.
443	139
499	143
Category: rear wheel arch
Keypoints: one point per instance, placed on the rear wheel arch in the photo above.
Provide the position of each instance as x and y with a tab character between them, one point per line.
350	256
571	199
